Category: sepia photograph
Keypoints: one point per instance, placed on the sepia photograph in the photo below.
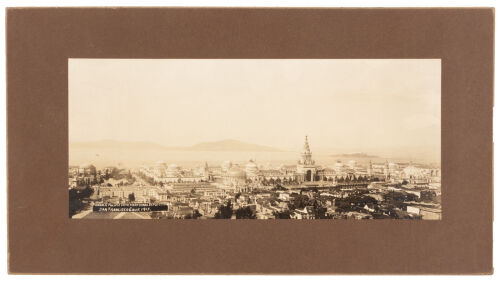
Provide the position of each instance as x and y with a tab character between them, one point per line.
348	139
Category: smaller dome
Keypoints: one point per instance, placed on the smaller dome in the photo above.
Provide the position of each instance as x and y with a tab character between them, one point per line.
251	165
251	169
226	165
173	167
87	166
413	171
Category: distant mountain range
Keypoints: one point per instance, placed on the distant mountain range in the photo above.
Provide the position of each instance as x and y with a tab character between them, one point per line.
354	155
223	145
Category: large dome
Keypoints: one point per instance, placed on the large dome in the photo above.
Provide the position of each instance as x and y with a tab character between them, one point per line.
237	173
173	170
226	165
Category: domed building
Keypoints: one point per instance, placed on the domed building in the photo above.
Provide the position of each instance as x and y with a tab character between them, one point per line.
414	174
87	169
226	165
236	178
237	174
251	169
159	169
160	163
173	171
339	167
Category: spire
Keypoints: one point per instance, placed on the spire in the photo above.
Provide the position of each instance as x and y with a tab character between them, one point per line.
306	154
306	146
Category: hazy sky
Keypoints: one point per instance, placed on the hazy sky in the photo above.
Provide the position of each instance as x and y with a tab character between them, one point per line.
343	104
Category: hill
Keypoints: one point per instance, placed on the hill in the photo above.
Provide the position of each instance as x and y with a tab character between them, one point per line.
223	145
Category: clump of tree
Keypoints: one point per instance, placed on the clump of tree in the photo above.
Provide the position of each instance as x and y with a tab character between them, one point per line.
224	211
278	187
299	202
245	213
195	215
320	211
285	214
131	197
397	198
121	174
155	215
77	199
353	203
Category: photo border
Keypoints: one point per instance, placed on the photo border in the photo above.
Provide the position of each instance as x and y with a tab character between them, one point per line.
42	239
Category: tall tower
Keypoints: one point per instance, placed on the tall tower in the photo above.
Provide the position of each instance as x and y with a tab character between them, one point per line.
387	173
306	165
307	154
206	172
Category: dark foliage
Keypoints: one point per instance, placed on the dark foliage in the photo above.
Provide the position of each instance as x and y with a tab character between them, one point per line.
131	197
286	214
224	211
245	213
76	198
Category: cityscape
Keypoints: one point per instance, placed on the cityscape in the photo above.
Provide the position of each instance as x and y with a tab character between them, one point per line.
305	190
339	139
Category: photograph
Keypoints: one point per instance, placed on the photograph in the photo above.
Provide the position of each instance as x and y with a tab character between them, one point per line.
249	140
254	139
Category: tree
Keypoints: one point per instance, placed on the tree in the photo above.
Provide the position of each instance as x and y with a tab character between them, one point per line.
278	187
286	214
245	213
319	211
236	196
299	202
86	193
155	215
75	203
131	197
195	215
224	211
76	197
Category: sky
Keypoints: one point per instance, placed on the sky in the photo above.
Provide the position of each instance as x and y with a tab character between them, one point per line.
342	104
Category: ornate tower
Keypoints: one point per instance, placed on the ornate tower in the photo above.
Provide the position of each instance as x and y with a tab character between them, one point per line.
206	172
307	154
387	172
306	165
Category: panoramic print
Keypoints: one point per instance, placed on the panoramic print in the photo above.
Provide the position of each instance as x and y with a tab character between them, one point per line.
254	139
